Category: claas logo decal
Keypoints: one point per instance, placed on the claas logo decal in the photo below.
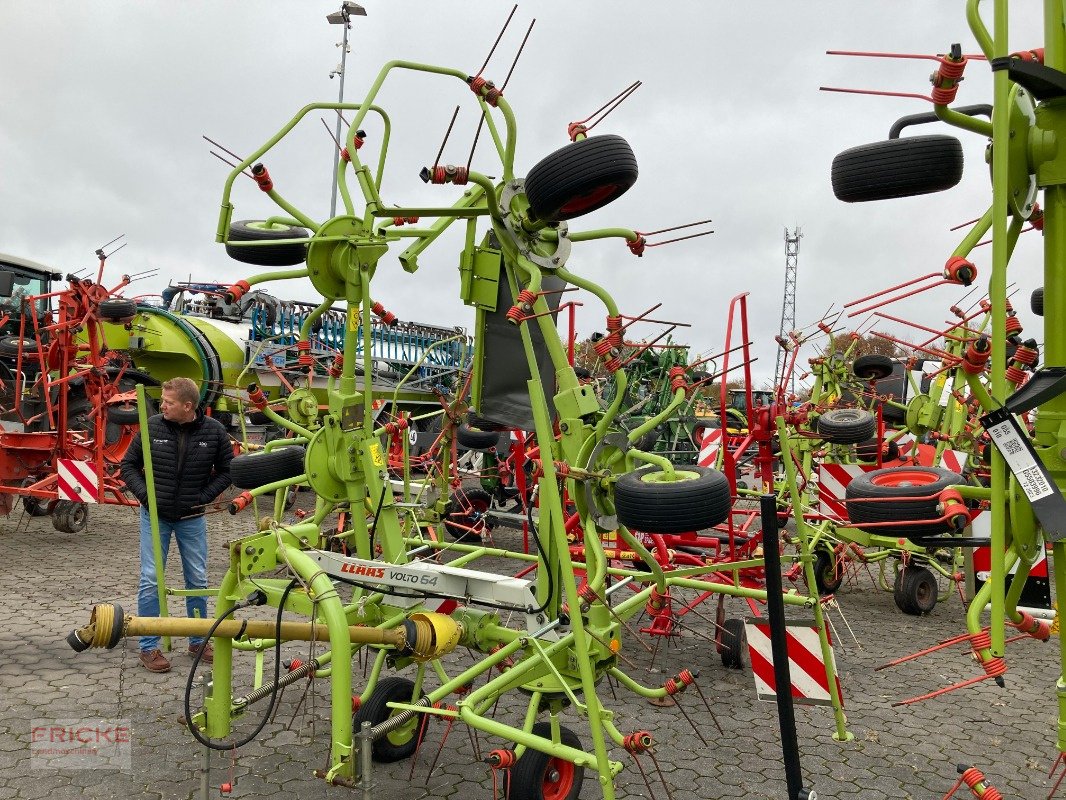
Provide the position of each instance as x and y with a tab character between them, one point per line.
359	569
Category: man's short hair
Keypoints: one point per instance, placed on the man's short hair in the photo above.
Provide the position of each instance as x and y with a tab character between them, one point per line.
185	389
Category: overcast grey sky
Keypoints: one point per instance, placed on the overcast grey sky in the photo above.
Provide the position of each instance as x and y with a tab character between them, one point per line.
105	104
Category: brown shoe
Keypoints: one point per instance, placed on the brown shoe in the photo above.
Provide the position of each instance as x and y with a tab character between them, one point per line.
207	653
153	661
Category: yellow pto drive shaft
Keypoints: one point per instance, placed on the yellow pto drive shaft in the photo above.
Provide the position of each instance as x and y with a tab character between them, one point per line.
423	636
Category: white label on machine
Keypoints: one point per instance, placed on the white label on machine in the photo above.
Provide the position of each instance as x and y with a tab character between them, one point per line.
945	393
1012	447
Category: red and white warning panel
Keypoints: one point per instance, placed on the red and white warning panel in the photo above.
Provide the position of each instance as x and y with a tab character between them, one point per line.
810	682
1036	594
76	480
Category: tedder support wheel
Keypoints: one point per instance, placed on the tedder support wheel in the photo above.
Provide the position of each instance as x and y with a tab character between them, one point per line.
732	640
904	495
828	571
36	506
117	309
279	255
1036	301
464	516
580	178
9	346
872	367
69	516
647	500
476	439
401	743
126	413
539	776
847	425
252	470
915	590
897	168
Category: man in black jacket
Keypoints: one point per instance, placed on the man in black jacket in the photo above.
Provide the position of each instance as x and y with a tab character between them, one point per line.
191	454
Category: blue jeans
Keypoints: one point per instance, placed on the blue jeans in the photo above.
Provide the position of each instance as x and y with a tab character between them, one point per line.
191	535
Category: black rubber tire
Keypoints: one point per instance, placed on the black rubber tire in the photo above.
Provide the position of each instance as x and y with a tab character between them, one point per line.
897	168
581	177
872	366
915	591
282	255
476	439
891	413
466	507
582	373
252	470
9	348
893	483
127	413
69	516
867	451
648	441
847	425
1036	301
534	771
483	424
827	575
117	309
732	639
700	501
375	710
36	506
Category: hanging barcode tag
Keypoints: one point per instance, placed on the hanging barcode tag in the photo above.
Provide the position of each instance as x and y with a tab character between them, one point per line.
1033	478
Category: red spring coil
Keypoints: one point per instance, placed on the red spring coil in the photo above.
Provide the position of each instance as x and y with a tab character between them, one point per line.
575	129
637	247
614	331
358	141
979	785
356	702
657	602
686	677
338	366
982	640
398	221
501	759
523	305
386	316
515	315
1037	628
262	177
953	508
295	664
587	593
1015	375
346	157
491	94
677	378
638	742
959	270
672	687
1030	55
976	356
1014	325
236	291
257	397
305	359
1025	355
1036	219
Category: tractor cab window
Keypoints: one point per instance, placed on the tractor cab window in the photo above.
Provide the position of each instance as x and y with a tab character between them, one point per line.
25	286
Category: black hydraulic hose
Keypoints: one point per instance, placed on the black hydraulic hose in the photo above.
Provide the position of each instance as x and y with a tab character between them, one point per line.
257	599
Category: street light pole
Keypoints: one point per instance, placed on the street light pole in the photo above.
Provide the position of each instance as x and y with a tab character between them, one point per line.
342	17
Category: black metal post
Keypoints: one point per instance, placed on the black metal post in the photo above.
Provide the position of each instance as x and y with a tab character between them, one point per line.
775	610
